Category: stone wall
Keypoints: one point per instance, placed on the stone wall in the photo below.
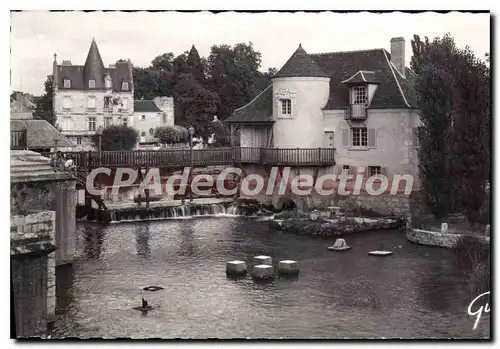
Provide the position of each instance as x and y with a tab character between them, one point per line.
33	271
433	238
56	196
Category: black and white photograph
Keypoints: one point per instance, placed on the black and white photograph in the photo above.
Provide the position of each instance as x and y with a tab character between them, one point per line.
250	175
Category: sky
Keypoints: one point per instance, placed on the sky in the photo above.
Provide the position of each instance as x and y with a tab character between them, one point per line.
141	36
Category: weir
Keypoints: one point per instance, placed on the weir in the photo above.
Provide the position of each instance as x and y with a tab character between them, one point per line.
174	212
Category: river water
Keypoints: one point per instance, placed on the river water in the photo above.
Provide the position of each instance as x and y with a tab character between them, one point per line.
415	293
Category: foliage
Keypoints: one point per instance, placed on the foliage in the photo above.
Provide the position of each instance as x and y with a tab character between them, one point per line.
233	75
453	99
222	134
171	134
473	256
204	87
44	108
117	137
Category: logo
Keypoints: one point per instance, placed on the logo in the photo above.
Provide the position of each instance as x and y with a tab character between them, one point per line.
478	306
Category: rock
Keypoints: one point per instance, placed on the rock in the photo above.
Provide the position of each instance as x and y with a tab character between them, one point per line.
152	288
236	267
263	272
288	267
339	245
259	260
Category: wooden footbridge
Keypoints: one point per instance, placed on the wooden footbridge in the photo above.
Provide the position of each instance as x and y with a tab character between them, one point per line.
177	158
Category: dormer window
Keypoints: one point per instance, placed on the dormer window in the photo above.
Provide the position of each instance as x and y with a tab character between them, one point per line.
124	86
91	83
286	106
359	95
107	82
67	83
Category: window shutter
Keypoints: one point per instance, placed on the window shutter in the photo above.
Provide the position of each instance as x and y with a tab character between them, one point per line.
372	138
345	137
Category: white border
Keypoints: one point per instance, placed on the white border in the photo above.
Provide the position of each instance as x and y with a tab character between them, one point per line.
191	5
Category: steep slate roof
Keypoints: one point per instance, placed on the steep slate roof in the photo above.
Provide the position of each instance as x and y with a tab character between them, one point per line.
393	91
362	77
41	134
259	110
342	65
94	69
145	106
300	64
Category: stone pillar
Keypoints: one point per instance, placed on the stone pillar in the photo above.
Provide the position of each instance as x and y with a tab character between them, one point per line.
65	207
31	275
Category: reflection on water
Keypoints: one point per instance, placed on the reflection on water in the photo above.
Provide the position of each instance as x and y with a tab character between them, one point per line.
417	292
142	240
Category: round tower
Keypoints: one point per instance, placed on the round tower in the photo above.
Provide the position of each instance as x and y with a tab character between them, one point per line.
300	92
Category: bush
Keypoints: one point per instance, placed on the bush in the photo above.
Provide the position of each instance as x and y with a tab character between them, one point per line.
473	257
171	134
117	137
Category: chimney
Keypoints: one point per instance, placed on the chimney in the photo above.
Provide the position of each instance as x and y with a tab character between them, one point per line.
398	54
66	63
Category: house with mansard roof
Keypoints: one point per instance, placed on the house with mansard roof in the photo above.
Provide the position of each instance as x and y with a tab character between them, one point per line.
90	96
362	103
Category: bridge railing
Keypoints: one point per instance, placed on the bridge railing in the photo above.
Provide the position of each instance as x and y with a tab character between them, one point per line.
204	157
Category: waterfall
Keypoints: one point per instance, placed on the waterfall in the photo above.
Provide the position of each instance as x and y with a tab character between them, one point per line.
176	212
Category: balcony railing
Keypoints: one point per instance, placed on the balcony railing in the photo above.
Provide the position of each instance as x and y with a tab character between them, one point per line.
355	112
19	139
206	157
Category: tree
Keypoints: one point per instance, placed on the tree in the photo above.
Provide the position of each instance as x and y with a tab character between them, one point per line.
195	65
145	83
222	134
44	108
453	98
471	133
117	137
195	105
233	75
163	62
271	72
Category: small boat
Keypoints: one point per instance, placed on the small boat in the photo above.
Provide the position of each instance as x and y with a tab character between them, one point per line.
343	248
380	253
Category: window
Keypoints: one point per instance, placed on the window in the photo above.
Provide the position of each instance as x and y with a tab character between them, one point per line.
143	117
164	118
67	102
143	134
124	86
345	170
124	104
108	83
91	83
91	124
91	103
125	122
107	103
374	170
78	140
151	132
107	122
286	107
359	95
359	136
67	83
